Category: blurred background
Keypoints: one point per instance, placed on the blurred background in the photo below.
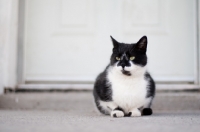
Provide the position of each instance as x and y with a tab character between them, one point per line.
65	44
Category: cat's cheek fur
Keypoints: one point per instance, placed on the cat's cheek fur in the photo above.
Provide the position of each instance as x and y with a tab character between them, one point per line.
130	68
126	68
119	68
133	69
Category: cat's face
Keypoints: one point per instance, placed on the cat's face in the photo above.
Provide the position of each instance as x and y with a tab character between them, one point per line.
129	58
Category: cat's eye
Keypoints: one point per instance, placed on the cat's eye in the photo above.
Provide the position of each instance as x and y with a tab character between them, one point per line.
117	58
132	57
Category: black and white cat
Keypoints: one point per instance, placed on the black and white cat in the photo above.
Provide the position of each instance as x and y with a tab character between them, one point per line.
125	88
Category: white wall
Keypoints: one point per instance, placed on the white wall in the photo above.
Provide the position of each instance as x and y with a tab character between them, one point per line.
8	43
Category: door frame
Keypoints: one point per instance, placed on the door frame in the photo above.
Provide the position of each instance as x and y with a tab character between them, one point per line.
31	85
198	43
8	44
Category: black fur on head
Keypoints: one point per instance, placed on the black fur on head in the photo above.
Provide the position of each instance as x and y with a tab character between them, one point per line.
125	51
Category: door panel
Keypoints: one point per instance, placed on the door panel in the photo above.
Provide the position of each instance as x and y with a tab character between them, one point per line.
69	40
171	33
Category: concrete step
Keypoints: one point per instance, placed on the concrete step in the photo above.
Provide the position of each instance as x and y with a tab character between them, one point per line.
83	101
75	111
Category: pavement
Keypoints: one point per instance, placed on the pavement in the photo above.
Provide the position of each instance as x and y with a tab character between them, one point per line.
75	112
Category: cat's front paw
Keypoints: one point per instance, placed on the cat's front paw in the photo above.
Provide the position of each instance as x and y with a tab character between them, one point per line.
147	111
135	113
117	113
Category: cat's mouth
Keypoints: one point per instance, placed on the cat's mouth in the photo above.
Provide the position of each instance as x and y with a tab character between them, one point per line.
127	73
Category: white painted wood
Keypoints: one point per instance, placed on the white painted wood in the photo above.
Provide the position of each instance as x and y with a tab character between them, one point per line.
69	41
8	43
92	79
56	86
160	87
198	44
20	45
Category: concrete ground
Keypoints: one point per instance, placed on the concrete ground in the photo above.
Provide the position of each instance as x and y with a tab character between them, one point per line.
74	111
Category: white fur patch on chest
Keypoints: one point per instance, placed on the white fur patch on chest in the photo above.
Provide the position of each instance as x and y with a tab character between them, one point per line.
128	92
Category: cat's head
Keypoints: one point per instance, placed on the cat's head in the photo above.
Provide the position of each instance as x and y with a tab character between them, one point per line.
129	59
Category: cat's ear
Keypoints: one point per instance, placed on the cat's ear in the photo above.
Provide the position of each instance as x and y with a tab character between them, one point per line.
115	43
141	45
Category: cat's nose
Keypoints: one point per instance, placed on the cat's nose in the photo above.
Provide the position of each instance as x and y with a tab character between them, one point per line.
123	65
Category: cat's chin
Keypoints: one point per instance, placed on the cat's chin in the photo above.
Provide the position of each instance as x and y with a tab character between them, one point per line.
127	73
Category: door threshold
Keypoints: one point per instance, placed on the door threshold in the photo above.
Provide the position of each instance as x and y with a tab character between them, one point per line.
159	87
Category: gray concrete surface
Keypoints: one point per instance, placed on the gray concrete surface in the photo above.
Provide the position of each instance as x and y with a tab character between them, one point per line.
174	102
74	112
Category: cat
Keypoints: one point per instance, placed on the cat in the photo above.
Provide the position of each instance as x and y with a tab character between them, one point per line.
125	88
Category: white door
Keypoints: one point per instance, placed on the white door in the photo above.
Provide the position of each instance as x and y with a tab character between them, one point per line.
68	40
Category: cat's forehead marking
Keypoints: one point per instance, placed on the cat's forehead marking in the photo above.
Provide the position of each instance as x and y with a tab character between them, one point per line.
124	54
125	48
